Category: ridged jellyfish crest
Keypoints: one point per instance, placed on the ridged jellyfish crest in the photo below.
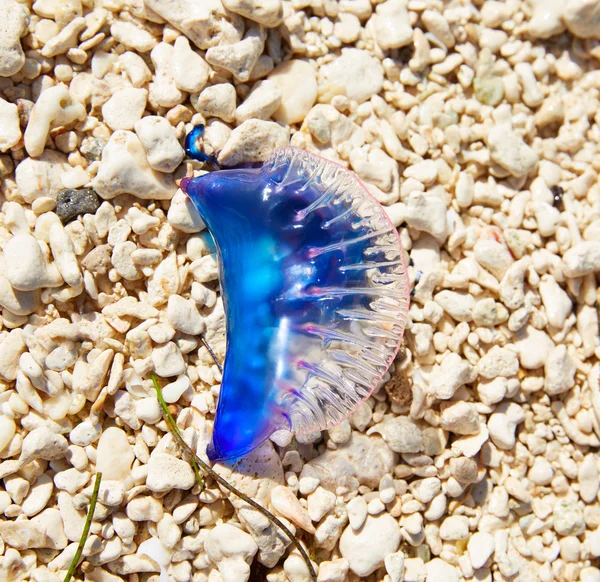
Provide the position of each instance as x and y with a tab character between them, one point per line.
316	295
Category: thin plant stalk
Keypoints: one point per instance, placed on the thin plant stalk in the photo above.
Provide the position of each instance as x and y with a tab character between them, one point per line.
211	352
207	469
86	529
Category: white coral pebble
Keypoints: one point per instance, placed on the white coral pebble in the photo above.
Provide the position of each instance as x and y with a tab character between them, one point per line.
55	106
163	151
502	424
27	268
166	472
366	548
190	71
124	108
10	131
297	84
582	259
232	550
391	24
125	170
42	443
14	25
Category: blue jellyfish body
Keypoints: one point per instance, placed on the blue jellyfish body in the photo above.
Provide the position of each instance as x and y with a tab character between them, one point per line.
315	291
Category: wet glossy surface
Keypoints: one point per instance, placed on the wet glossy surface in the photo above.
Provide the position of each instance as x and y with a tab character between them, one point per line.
315	291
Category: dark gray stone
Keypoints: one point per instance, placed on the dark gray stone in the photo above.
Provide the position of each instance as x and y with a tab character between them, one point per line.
70	203
91	148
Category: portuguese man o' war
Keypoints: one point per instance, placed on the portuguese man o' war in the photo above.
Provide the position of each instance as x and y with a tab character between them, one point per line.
315	290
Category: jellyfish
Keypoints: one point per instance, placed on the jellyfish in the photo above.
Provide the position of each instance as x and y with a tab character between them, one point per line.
315	291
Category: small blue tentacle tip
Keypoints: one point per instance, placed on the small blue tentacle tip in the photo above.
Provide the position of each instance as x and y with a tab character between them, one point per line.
192	149
316	295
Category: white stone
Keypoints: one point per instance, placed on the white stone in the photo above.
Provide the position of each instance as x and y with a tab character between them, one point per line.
125	108
132	36
85	433
205	23
55	107
26	266
261	103
189	70
41	177
437	569
450	375
582	259
167	360
590	574
238	58
217	101
542	472
427	213
424	490
582	18
164	281
63	252
148	410
114	455
11	347
498	362
559	371
493	256
357	512
426	171
23	534
16	18
66	39
136	68
587	476
296	81
502	424
10	131
347	27
394	566
183	215
492	391
42	443
125	170
184	316
163	90
480	548
546	19
547	218
568	518
232	550
173	391
402	434
356	73
38	496
253	141
145	508
533	346
454	528
166	472
363	460
457	304
319	503
460	418
269	13
391	24
556	301
367	548
7	431
509	150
